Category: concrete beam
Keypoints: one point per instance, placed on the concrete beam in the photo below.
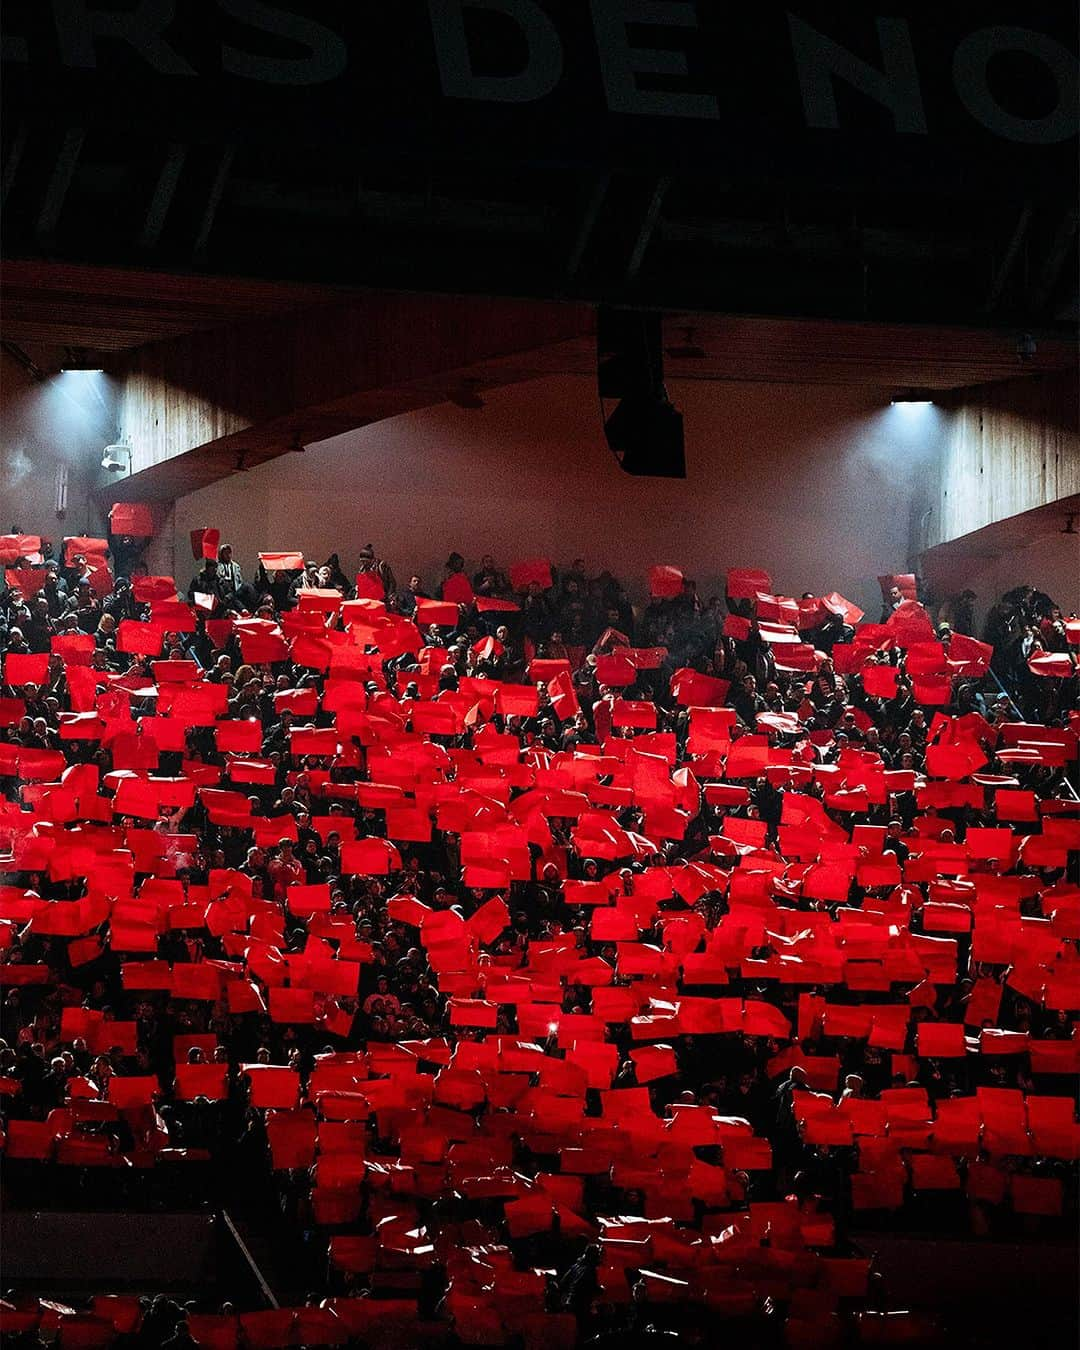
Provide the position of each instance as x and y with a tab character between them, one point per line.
203	406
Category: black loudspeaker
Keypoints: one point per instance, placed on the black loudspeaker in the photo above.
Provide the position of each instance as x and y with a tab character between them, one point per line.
647	433
645	430
630	357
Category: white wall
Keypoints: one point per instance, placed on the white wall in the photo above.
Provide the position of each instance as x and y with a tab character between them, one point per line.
1050	562
64	419
814	484
1009	448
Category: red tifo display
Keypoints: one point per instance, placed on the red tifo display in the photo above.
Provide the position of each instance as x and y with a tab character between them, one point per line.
623	891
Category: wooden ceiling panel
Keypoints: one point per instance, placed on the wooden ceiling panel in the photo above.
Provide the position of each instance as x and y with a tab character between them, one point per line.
52	306
879	356
109	309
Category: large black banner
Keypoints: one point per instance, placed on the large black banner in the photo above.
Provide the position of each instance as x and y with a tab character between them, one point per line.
663	151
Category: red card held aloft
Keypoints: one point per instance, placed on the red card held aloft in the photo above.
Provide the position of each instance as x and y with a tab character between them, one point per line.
665	583
441	613
289	561
131	518
204	542
25	668
369	857
525	574
695	690
652	1062
940	1040
473	1012
26	580
201	1080
743	583
15	546
272	1086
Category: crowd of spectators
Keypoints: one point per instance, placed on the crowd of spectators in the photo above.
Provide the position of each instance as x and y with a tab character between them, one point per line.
565	967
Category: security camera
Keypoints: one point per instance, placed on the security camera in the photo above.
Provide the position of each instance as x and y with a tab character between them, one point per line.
116	458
